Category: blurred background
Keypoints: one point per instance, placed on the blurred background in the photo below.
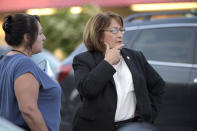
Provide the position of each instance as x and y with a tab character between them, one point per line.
63	21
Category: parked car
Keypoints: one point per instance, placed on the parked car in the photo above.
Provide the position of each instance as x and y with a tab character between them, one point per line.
70	97
4	50
170	46
47	55
6	125
37	58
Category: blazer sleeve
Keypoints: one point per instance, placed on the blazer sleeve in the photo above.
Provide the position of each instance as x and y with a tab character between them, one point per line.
91	78
156	86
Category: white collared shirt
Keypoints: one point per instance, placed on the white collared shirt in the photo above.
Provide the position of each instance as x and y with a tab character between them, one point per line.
126	101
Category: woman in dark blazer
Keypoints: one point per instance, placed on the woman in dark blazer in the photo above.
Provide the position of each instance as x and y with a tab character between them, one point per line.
117	86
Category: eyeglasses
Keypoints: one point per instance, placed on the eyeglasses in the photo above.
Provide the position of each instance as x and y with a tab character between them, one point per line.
116	30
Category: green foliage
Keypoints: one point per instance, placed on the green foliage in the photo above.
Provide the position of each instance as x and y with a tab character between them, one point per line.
64	30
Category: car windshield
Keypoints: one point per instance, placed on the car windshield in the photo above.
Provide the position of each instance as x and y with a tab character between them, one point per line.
166	44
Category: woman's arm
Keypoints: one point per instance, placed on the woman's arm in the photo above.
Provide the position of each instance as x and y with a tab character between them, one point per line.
156	86
91	79
26	89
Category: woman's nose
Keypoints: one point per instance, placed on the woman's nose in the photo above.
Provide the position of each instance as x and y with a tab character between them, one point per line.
120	34
44	38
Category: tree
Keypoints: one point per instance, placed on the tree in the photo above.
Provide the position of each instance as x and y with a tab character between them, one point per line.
64	30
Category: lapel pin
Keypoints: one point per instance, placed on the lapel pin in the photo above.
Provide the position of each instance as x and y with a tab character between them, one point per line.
128	57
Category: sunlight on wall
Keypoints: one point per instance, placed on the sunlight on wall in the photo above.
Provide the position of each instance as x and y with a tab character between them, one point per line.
164	6
2	35
59	54
44	11
76	10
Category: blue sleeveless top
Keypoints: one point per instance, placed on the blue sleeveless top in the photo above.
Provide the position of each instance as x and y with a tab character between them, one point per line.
49	99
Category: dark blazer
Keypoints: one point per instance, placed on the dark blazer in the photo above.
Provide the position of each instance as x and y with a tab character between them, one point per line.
95	83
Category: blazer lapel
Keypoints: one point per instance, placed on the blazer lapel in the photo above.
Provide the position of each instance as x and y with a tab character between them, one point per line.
98	56
129	60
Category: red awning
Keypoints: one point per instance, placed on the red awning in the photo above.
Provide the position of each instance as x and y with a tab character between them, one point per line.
18	5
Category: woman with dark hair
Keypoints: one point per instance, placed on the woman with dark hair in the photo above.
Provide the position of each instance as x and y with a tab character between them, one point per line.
28	96
117	86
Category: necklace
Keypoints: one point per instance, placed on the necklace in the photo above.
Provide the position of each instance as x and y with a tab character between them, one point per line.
18	51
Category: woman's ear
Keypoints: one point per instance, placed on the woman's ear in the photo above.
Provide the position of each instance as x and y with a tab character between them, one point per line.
26	38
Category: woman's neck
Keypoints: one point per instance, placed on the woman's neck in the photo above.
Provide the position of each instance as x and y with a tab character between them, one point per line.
21	51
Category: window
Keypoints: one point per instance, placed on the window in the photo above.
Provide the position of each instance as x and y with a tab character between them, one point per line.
167	44
129	36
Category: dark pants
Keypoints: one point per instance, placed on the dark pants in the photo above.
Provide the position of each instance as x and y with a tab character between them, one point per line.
134	124
138	126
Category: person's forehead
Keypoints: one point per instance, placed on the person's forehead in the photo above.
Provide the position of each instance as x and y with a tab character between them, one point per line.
114	22
39	25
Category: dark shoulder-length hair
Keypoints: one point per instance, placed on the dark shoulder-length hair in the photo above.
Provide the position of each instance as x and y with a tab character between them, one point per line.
93	33
15	26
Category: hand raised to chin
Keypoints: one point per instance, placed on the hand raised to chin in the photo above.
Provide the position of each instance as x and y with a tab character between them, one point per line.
112	55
